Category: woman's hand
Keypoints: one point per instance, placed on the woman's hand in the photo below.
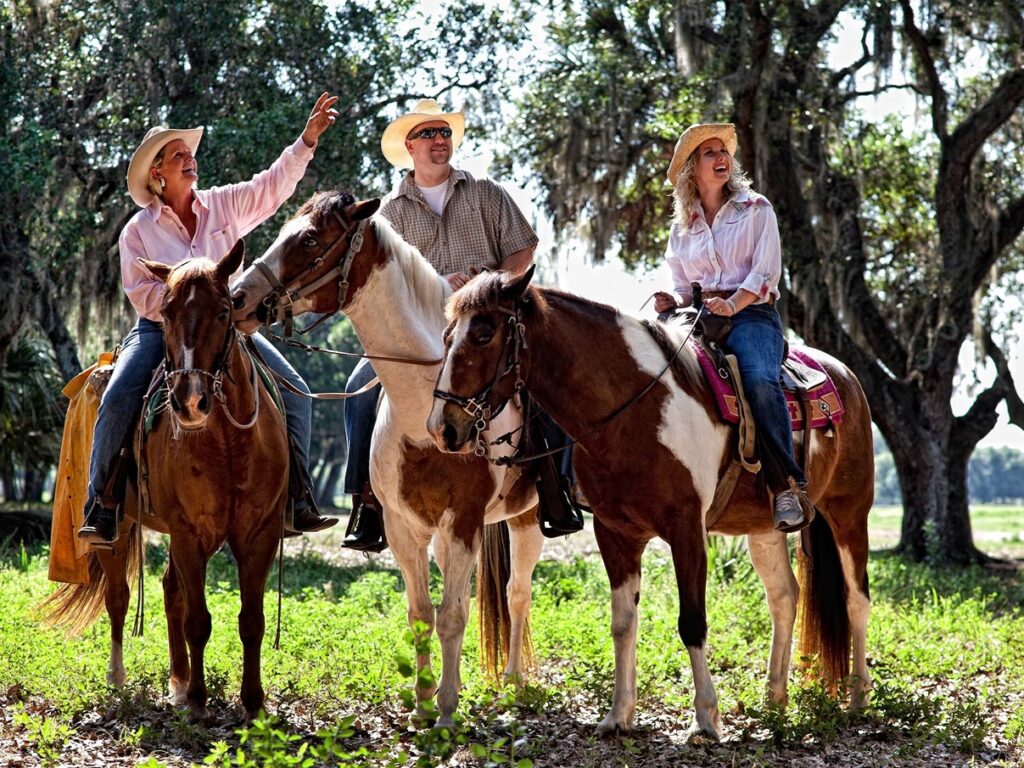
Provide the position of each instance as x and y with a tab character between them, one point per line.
663	302
717	306
320	119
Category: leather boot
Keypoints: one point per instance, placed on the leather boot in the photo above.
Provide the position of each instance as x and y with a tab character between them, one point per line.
365	531
305	517
556	513
100	528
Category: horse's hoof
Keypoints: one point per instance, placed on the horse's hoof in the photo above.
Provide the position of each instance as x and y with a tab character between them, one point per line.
701	735
176	690
116	679
445	721
199	714
611	727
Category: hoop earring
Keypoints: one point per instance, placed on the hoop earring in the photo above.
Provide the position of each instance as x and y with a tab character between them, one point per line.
163	182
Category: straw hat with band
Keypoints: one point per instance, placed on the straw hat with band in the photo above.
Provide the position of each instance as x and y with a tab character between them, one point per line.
155	140
693	137
392	143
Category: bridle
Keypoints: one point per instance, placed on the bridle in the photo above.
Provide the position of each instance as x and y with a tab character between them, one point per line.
216	376
282	297
481	406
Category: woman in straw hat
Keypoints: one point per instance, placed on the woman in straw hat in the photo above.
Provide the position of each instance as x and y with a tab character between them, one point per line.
726	239
177	222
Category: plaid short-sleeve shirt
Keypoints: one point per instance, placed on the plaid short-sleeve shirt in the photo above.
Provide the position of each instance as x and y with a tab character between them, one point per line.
481	224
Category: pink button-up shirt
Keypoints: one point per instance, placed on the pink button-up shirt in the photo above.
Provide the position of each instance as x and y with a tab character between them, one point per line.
223	214
739	250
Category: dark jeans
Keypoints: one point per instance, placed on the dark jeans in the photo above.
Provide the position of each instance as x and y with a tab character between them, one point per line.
141	352
758	343
360	416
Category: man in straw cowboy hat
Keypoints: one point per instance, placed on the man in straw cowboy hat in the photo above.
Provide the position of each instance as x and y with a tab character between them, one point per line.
177	222
725	238
461	225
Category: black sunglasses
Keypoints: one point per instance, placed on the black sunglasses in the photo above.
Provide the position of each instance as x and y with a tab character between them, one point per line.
429	133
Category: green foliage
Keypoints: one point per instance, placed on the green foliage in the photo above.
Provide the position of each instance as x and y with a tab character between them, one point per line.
342	653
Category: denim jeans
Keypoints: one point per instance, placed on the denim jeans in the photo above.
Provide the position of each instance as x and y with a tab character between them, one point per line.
141	352
758	343
360	416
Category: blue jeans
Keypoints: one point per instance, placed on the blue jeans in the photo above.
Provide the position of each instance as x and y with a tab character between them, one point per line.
141	352
758	343
360	416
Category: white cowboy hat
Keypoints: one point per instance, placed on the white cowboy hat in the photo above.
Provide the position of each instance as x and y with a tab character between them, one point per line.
392	143
155	140
693	137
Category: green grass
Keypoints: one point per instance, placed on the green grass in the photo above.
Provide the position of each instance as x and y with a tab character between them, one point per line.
945	648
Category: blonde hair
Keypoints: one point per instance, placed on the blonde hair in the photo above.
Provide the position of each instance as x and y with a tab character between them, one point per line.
686	195
154	184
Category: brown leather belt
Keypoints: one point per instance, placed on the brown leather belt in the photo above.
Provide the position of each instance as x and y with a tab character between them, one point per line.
726	294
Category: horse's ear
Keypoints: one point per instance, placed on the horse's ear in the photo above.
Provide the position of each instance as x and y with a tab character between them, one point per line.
516	287
362	210
158	270
231	262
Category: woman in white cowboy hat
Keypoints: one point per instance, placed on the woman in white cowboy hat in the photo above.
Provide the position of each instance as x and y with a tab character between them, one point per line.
726	239
177	222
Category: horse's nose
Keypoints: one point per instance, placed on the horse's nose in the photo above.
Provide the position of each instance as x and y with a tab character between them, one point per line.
450	435
204	405
175	403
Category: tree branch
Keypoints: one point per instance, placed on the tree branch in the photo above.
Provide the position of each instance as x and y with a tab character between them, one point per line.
926	61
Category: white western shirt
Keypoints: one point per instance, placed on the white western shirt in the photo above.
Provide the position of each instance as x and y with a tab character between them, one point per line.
739	250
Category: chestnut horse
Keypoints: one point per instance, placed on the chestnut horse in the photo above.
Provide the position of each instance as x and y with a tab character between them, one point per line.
335	255
652	470
216	474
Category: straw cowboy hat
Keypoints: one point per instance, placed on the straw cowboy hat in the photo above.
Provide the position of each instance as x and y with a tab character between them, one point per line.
392	143
693	137
155	140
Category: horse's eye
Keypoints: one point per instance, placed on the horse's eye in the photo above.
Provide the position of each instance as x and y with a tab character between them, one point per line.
482	336
310	242
223	315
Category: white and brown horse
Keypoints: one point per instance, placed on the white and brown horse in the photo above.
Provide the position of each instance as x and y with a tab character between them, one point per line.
218	472
334	254
653	470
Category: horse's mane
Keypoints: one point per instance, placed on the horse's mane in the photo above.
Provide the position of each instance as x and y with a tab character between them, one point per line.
324	204
484	294
421	279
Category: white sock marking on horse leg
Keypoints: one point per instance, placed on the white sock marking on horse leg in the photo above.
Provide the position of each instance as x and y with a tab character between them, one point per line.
524	547
705	701
859	609
115	665
452	615
770	557
625	620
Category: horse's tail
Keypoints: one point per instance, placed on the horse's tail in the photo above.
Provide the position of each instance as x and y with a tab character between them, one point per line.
493	573
74	607
824	620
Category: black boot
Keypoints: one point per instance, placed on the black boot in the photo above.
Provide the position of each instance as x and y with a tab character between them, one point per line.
557	514
365	531
100	528
306	518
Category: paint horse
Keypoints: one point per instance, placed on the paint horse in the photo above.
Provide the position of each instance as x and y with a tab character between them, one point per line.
335	255
652	470
216	475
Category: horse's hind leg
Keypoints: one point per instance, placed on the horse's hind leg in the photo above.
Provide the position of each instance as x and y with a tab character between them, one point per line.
116	596
770	555
852	545
621	557
174	609
254	558
525	543
452	615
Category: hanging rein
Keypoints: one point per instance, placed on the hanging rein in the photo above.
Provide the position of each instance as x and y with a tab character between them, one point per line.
481	408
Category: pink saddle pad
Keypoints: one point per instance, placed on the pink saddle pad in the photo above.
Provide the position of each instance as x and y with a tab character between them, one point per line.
826	404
